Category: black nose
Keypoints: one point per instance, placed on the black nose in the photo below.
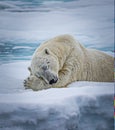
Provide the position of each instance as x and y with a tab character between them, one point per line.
53	81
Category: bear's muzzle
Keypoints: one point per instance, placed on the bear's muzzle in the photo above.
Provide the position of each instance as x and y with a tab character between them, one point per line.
52	81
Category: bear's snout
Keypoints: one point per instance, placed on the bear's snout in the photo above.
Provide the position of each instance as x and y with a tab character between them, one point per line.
52	81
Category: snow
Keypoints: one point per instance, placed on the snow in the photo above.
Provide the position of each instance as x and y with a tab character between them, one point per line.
82	105
24	24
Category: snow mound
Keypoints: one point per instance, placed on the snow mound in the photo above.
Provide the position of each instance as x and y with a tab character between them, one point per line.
82	107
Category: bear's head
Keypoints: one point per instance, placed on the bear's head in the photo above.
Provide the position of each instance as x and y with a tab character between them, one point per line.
45	65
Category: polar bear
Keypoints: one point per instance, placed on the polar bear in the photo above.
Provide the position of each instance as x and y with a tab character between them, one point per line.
63	60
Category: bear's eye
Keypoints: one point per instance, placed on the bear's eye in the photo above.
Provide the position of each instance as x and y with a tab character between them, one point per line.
47	51
44	67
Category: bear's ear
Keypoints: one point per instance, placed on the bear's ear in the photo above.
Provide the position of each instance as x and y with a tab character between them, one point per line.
46	50
29	68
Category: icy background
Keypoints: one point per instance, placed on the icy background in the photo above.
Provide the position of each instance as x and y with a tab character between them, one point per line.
24	24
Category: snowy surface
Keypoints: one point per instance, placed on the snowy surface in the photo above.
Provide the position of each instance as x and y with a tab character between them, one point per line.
80	106
24	24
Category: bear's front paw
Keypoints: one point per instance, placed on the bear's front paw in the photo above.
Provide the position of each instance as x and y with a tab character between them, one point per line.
28	82
35	83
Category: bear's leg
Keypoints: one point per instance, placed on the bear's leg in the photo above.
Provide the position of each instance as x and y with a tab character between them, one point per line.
28	82
63	79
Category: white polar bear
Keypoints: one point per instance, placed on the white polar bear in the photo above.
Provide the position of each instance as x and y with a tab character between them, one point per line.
63	60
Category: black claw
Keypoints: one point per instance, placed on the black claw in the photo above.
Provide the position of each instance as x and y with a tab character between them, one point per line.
24	85
24	81
27	88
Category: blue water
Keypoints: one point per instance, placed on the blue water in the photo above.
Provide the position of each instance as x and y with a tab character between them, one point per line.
24	24
10	51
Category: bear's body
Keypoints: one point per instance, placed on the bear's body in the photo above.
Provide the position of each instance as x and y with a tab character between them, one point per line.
73	62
